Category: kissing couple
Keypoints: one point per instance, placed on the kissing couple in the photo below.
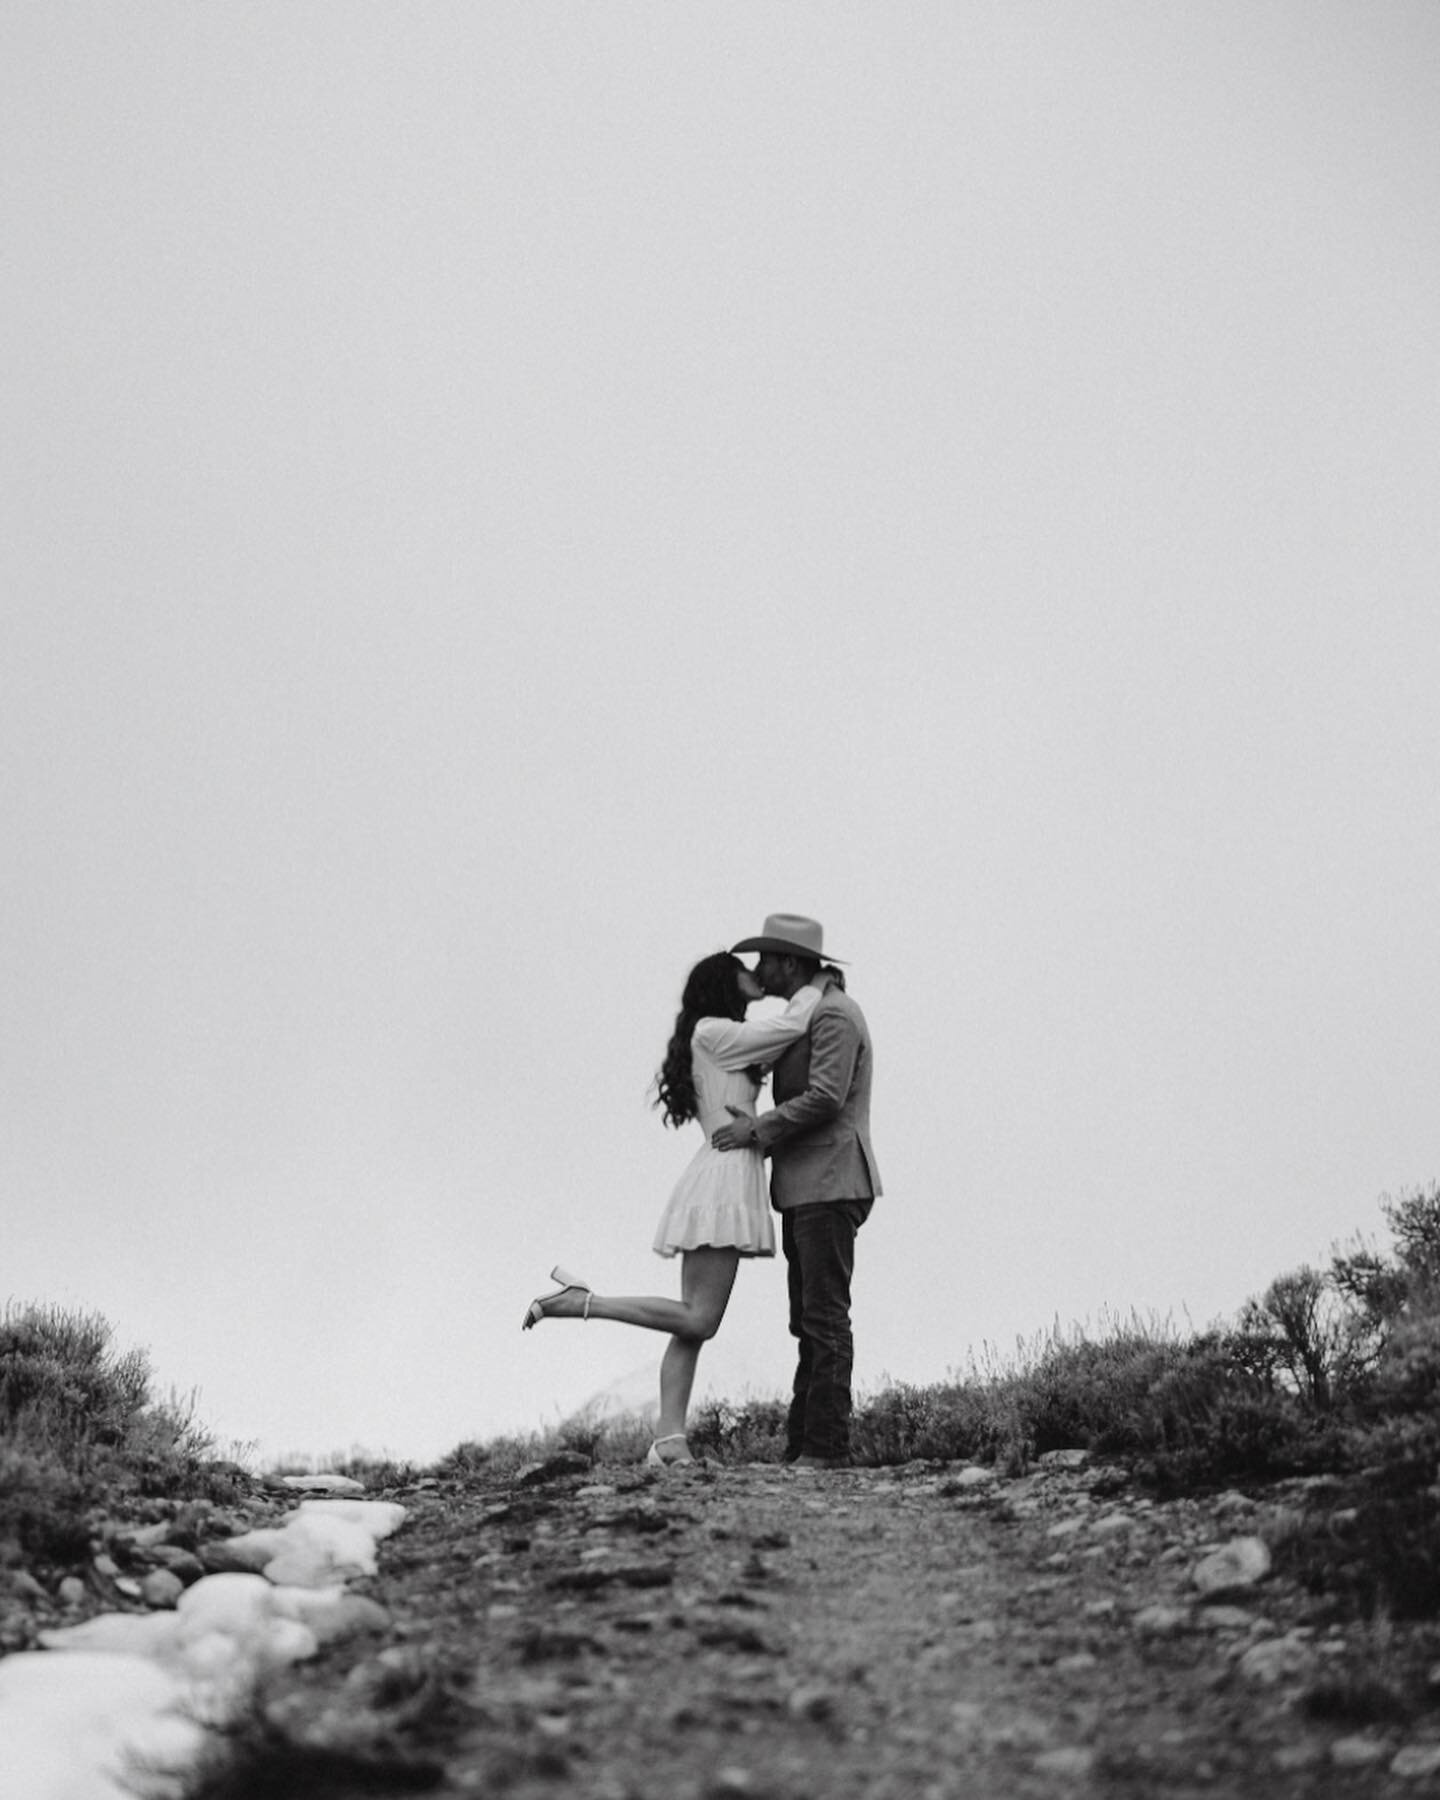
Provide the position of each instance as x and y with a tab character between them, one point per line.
823	1178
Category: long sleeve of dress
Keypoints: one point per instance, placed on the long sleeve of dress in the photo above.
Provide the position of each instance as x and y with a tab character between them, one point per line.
735	1044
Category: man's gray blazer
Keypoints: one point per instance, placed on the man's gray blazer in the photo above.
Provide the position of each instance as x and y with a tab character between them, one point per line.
817	1134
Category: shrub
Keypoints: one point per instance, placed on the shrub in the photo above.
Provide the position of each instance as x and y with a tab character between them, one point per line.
78	1426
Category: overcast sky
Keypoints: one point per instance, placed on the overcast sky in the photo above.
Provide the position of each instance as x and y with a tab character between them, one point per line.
499	497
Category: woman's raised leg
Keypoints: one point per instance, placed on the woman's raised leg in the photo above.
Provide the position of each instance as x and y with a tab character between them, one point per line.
707	1276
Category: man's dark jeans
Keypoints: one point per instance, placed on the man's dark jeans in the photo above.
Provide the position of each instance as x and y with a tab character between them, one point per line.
819	1245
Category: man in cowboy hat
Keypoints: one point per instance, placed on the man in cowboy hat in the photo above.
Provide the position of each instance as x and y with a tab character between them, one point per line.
823	1180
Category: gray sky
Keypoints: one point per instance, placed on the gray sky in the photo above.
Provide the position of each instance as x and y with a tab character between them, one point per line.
497	498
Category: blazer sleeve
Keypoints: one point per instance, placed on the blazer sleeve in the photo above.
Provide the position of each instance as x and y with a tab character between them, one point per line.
735	1044
834	1049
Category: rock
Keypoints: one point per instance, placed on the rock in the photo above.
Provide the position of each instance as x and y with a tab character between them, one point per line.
1225	1618
553	1468
731	1784
1291	1757
1277	1659
179	1562
24	1586
1162	1621
1358	1752
161	1588
1416	1761
72	1591
1236	1565
1064	1459
814	1703
246	1554
973	1475
1073	1761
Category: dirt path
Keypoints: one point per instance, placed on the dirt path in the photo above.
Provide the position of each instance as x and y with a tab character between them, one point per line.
891	1634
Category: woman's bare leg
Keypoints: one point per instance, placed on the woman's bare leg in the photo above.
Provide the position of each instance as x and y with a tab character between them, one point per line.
707	1276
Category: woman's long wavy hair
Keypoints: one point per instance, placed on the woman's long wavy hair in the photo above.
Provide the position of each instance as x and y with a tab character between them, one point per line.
712	991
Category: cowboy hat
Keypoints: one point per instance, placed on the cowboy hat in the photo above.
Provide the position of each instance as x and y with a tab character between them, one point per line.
788	934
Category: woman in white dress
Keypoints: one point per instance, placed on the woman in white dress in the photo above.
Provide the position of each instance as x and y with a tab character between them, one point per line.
720	1208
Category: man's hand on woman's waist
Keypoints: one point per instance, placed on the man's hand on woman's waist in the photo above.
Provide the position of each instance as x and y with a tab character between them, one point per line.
743	1133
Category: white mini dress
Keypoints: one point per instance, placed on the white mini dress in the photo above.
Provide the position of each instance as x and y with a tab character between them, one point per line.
723	1198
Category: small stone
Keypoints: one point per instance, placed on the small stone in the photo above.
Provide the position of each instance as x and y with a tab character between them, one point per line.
971	1476
1073	1665
814	1703
25	1587
1066	1528
236	1556
161	1588
1112	1523
1065	1459
1297	1756
106	1566
1072	1761
72	1591
1276	1659
179	1562
553	1468
1416	1761
730	1783
1358	1752
1239	1564
1021	1731
1162	1621
1225	1618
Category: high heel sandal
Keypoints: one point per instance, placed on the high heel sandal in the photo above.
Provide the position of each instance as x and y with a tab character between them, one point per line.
569	1283
657	1461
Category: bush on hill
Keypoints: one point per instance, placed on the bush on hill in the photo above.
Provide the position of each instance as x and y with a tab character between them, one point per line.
79	1428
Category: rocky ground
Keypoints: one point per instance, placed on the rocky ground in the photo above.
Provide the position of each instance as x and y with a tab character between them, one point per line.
897	1634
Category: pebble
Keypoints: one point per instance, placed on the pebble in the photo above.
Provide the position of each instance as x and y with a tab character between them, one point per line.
1277	1659
814	1703
1162	1621
1358	1752
1416	1761
161	1588
1239	1564
1072	1761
